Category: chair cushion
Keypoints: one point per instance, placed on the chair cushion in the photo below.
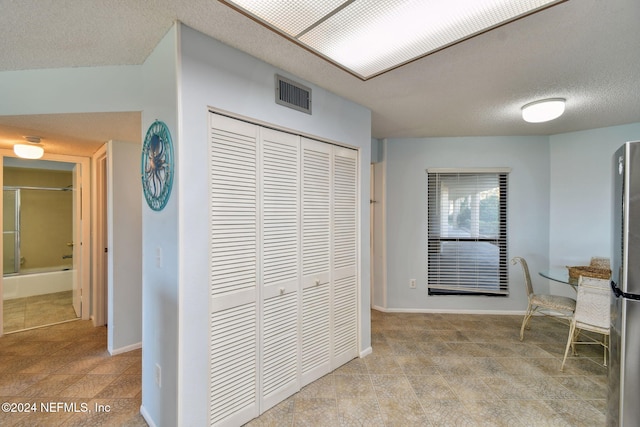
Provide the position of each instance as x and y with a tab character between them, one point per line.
555	302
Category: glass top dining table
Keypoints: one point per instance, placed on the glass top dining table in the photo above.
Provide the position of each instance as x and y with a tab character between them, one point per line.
561	275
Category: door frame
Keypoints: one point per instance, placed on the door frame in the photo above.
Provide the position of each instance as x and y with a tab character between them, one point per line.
84	275
99	299
77	233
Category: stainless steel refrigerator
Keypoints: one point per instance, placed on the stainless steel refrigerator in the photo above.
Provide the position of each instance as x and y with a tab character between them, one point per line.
624	370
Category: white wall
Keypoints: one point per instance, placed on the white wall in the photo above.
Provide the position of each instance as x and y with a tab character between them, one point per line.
406	161
379	297
559	207
215	75
580	194
70	90
160	247
376	150
125	247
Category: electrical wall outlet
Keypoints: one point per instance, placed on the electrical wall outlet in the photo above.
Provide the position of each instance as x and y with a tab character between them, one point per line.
412	283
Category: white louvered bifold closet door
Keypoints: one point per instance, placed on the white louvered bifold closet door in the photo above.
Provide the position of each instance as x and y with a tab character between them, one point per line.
316	260
344	262
280	265
283	265
233	271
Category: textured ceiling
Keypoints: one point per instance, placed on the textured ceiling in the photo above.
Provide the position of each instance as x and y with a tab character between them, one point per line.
80	134
587	51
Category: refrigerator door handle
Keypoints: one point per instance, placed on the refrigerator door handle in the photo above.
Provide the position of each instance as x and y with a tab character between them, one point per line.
618	292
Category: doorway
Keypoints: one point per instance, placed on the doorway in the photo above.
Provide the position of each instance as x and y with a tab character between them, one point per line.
44	277
100	231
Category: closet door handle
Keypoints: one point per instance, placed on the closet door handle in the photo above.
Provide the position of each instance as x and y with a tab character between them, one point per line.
281	291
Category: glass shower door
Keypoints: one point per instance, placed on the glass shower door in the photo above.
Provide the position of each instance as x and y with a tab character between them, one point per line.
11	232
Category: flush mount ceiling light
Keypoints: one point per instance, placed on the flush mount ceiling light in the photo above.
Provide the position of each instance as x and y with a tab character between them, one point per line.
543	110
29	151
369	37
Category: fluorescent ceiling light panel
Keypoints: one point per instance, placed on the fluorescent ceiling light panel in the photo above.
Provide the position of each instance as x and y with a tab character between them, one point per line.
369	37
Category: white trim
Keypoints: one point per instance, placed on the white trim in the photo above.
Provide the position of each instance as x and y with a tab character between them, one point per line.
147	417
367	351
179	190
384	224
451	311
42	326
372	208
85	244
98	288
468	170
262	123
125	349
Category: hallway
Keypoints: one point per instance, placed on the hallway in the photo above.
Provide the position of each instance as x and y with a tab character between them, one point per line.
68	365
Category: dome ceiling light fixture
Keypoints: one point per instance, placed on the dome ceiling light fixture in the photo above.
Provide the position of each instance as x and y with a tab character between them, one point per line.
33	150
543	110
367	38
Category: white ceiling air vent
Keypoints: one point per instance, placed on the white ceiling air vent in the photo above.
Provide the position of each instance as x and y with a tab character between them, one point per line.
293	95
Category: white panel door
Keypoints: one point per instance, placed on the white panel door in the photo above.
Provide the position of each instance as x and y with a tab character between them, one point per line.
233	187
344	256
316	260
280	267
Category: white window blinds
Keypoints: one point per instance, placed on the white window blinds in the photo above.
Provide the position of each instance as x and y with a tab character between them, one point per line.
467	232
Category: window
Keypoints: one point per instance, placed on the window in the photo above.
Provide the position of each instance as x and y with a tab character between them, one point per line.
467	232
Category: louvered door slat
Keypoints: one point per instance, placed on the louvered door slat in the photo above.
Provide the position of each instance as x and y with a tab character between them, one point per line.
233	385
344	208
280	160
233	154
344	261
345	325
233	189
280	191
315	338
316	209
316	260
280	343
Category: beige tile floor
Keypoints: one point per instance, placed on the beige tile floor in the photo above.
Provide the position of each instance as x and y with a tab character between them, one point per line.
425	370
455	370
69	364
37	310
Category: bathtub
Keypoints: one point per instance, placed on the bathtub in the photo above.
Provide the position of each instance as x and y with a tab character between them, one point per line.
32	283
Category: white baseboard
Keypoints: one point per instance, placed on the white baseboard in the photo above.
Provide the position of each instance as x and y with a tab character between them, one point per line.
449	311
125	349
146	416
367	351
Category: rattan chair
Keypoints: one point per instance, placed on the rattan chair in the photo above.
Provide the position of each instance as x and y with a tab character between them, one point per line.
550	305
591	314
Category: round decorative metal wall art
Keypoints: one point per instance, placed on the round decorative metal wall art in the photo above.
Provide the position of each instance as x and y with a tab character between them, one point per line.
157	165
